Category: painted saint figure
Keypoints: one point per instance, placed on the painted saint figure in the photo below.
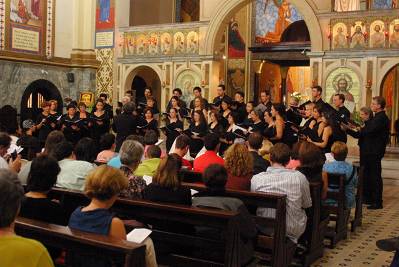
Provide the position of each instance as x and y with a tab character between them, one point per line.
236	42
377	39
394	38
35	7
340	39
358	40
23	12
105	10
346	5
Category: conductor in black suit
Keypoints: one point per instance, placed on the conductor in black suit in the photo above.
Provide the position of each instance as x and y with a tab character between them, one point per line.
374	137
124	124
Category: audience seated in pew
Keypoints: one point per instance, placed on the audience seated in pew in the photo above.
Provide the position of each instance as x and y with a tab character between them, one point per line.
73	171
131	153
339	150
215	179
16	250
149	166
255	141
37	205
239	165
212	145
107	147
5	142
278	179
166	184
182	145
103	185
116	161
52	142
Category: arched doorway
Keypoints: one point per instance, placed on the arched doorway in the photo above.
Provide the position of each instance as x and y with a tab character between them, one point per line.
390	91
140	78
34	95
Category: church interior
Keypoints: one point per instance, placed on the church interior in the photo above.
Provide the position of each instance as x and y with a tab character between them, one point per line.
74	52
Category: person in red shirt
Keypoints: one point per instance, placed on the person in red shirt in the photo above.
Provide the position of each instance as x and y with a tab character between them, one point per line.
239	165
211	142
181	148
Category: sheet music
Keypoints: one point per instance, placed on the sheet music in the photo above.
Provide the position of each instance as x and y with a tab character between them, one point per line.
138	235
147	179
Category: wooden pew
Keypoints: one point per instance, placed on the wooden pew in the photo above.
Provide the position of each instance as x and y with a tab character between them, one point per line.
315	228
357	220
130	254
197	248
338	213
279	250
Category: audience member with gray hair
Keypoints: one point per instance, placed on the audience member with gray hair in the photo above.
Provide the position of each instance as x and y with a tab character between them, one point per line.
16	250
124	124
131	154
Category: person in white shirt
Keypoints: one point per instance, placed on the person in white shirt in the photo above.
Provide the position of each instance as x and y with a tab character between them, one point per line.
278	179
5	142
73	172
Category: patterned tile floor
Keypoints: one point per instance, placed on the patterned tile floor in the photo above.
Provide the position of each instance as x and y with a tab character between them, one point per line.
360	249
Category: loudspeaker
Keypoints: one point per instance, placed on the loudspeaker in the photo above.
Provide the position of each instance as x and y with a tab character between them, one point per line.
71	77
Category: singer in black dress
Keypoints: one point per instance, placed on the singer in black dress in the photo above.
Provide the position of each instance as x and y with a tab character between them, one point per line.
225	111
173	128
70	125
54	115
197	130
43	124
270	131
215	126
148	122
86	121
257	125
101	122
248	120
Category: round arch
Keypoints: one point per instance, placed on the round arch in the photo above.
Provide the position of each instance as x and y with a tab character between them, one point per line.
135	70
132	71
30	105
227	8
385	70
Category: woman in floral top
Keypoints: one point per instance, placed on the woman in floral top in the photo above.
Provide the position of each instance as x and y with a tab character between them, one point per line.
131	153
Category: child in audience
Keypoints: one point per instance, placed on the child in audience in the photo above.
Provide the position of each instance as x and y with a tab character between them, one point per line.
339	151
107	147
150	139
103	186
149	166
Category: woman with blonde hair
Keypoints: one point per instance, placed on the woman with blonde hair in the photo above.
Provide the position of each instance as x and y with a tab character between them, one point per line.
166	183
103	186
239	165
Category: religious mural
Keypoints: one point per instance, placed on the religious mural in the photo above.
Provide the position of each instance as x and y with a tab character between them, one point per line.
105	23
384	4
346	5
344	81
236	75
28	12
27	25
161	43
272	18
365	33
186	81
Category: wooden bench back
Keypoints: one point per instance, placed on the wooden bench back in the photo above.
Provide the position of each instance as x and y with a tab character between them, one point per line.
133	255
147	211
275	242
